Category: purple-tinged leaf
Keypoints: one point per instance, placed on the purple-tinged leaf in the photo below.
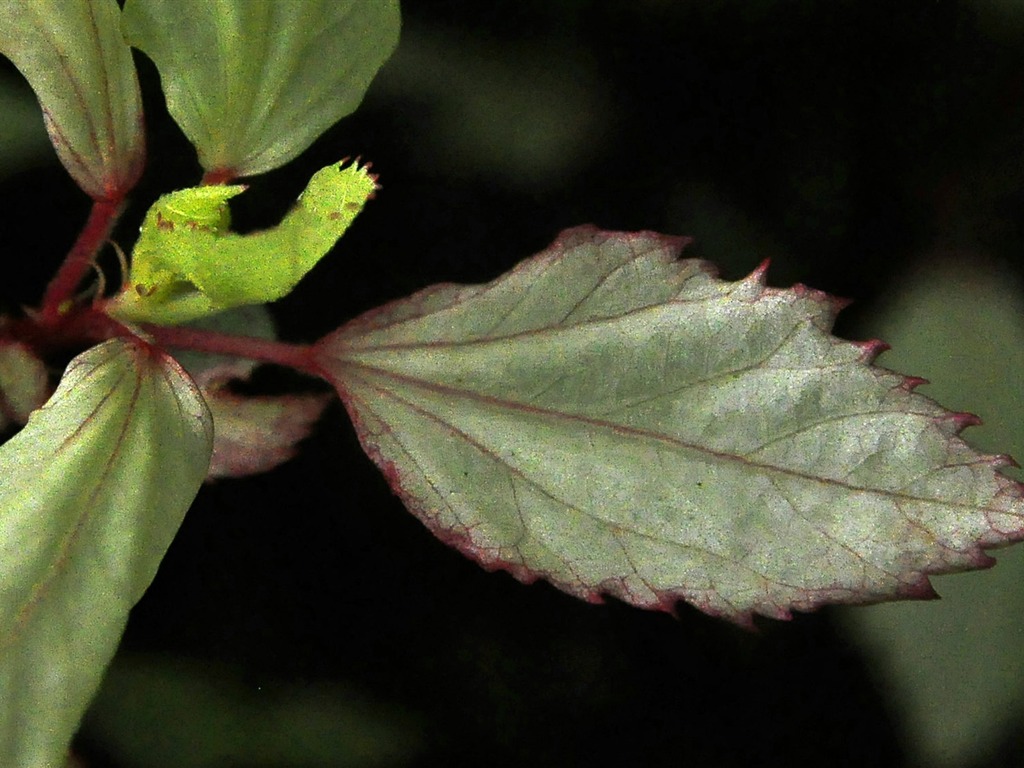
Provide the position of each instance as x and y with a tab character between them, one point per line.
251	434
208	369
621	422
256	434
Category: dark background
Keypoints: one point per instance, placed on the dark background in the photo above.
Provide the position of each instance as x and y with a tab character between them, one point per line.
840	138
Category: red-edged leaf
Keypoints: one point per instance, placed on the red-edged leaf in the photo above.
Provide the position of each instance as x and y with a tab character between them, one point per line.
73	55
256	434
92	490
621	422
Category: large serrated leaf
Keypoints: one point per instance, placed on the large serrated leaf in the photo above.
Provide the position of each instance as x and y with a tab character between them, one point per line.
620	422
94	489
253	82
74	57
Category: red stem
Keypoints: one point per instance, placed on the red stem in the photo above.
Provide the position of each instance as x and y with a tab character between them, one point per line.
297	356
94	234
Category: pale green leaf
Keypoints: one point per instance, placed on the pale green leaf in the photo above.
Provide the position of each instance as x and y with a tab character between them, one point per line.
619	422
252	83
74	57
186	264
94	489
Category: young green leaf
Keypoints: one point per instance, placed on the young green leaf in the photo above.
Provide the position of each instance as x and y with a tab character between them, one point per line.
252	83
186	264
619	422
958	318
94	489
74	57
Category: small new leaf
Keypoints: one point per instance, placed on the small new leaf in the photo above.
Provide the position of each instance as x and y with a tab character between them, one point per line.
187	265
621	422
94	488
256	434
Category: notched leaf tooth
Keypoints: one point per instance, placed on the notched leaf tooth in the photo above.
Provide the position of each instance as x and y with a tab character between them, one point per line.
871	349
959	421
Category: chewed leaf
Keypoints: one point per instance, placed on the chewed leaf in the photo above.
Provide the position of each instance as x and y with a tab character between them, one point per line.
74	57
94	488
621	422
187	265
252	84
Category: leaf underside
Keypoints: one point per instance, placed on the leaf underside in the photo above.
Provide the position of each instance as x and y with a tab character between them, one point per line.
78	64
253	83
620	422
94	488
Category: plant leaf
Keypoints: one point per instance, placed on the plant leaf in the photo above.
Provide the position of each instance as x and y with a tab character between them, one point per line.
94	489
252	83
619	422
74	57
24	383
255	434
186	264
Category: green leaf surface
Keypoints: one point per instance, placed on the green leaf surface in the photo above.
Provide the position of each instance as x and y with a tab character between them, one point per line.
186	264
252	83
619	422
94	489
73	55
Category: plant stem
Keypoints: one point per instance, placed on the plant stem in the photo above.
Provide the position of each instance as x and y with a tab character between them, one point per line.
297	356
94	234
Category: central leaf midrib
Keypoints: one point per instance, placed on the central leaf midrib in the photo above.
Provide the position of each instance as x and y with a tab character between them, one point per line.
501	403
